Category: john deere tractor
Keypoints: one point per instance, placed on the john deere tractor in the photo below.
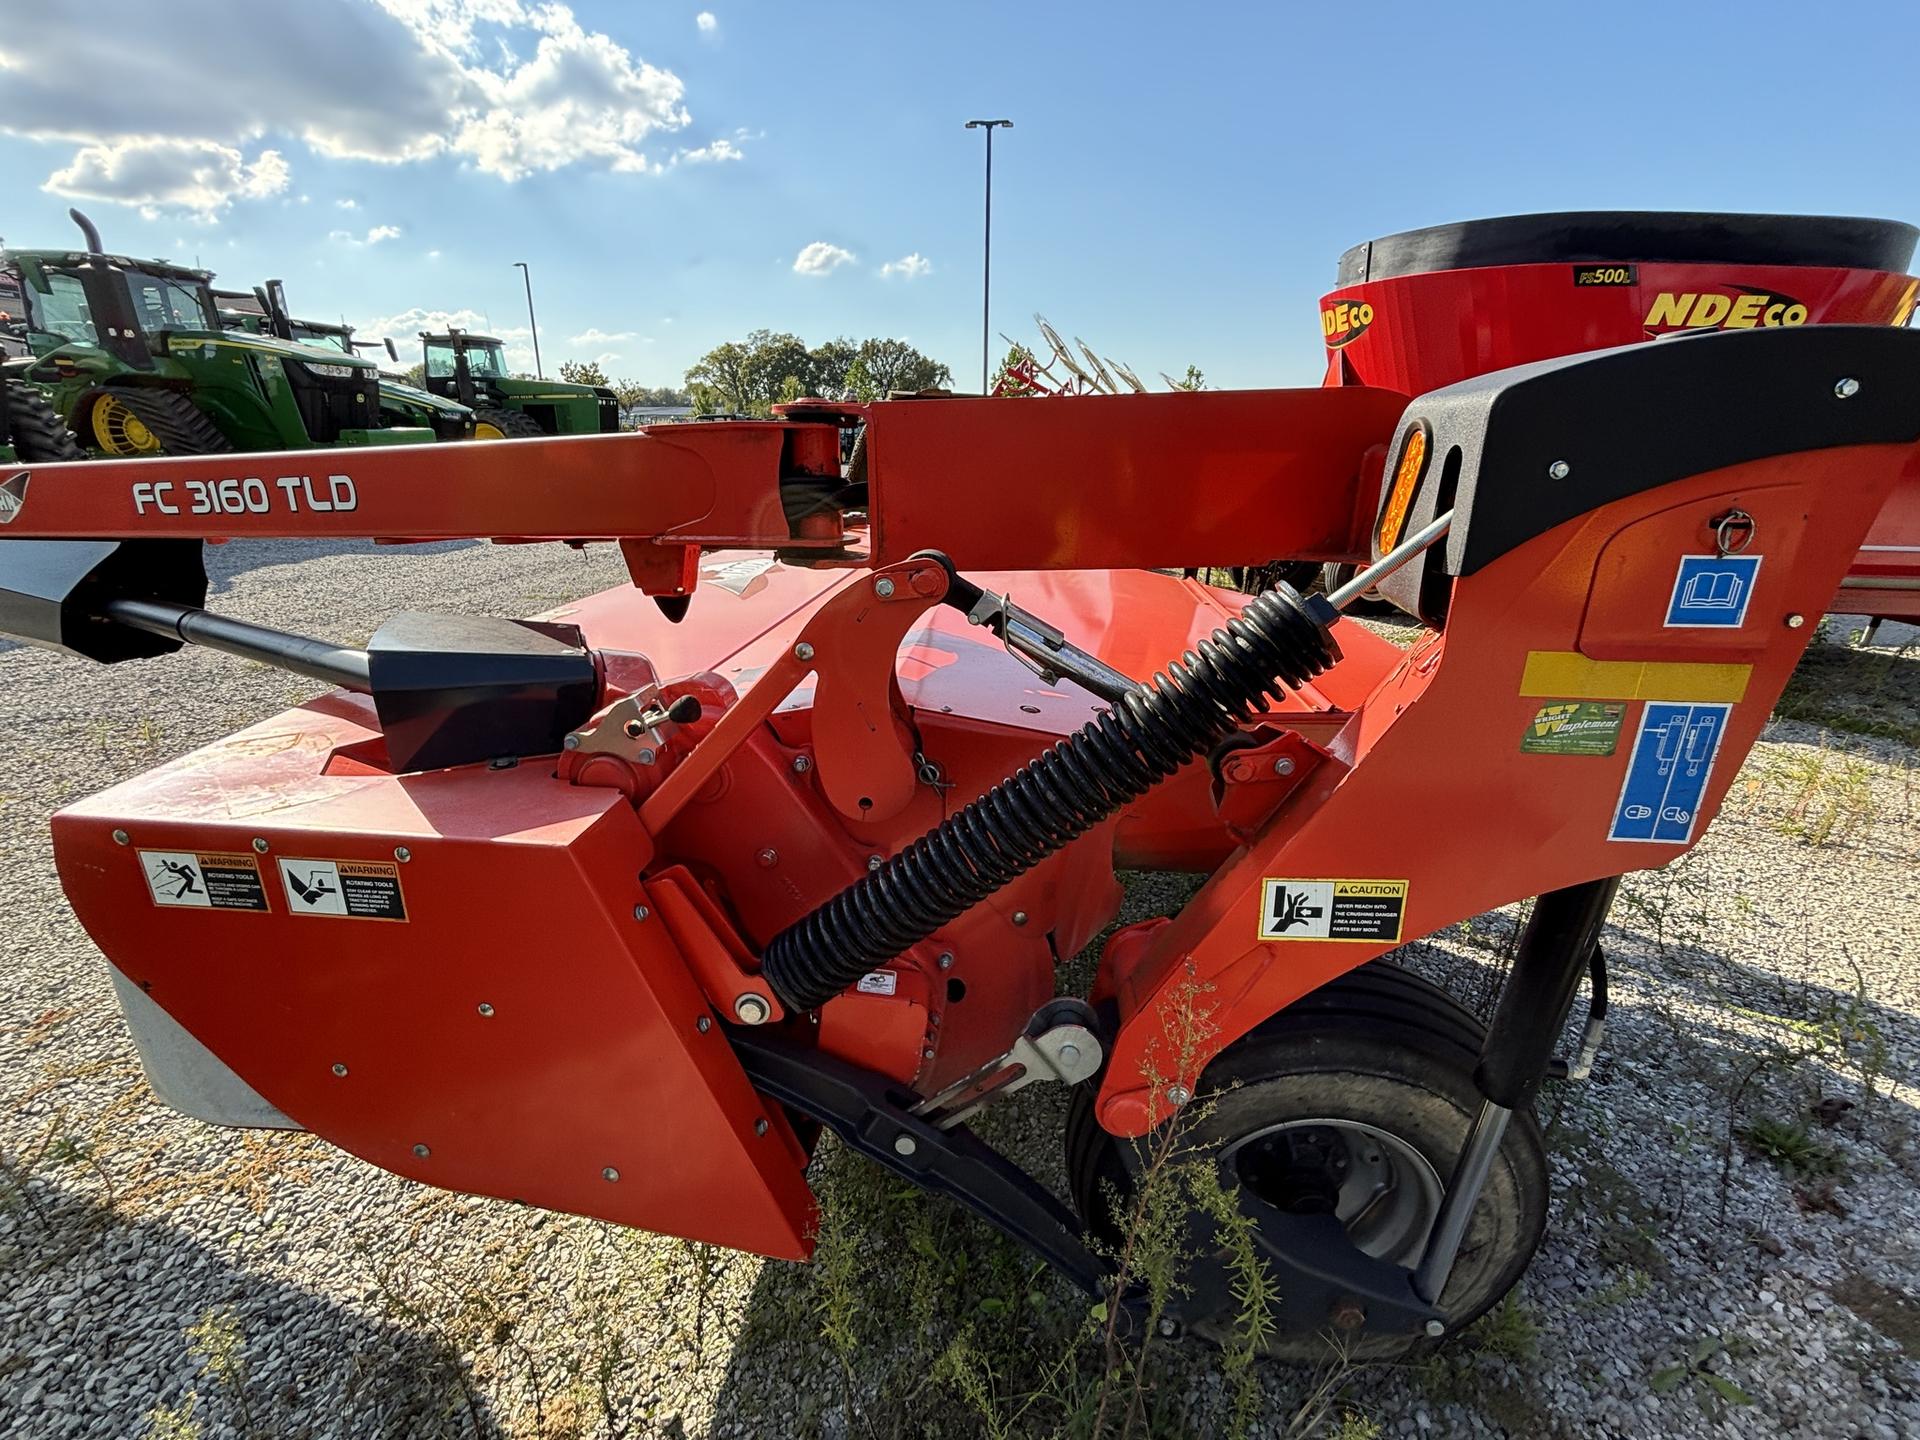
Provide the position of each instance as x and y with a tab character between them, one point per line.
30	428
473	370
133	356
263	311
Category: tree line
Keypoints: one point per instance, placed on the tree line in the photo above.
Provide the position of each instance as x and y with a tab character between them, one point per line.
747	377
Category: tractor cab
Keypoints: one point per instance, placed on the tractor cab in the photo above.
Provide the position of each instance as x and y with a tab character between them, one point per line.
473	370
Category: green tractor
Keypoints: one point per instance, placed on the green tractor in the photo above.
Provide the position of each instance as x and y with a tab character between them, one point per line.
133	357
30	428
263	311
473	370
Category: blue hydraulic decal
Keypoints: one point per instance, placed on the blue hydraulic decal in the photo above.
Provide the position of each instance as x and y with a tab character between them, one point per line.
1712	591
1667	776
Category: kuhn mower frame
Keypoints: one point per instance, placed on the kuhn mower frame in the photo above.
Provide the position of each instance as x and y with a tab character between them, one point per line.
609	915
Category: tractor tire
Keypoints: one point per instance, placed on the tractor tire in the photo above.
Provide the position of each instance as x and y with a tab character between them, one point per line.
492	424
1374	1069
151	422
35	428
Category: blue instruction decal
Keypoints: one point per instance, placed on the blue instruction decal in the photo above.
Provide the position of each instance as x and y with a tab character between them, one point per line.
1712	591
1667	776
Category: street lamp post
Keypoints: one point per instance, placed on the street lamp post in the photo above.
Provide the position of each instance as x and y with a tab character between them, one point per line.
532	324
986	263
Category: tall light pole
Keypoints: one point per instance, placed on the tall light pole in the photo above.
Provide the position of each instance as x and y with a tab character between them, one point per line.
532	324
986	263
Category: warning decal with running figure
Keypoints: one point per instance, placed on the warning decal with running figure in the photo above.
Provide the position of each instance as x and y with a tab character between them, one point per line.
355	889
196	880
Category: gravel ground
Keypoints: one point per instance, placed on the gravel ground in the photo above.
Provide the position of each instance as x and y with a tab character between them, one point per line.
158	1277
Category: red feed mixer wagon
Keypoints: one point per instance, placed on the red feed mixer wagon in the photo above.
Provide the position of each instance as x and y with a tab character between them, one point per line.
1530	287
614	915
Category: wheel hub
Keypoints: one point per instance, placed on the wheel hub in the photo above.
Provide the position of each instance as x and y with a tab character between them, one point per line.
1381	1189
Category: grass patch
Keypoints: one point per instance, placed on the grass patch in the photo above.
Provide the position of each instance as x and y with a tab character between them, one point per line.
1791	1147
1857	692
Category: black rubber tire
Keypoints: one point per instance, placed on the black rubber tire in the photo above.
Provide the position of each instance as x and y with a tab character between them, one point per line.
1385	1048
176	422
512	424
35	428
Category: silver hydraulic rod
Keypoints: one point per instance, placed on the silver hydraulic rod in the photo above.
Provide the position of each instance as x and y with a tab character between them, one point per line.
1366	579
1470	1174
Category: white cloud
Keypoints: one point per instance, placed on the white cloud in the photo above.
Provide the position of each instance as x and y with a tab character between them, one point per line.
510	87
344	204
597	336
433	254
406	326
820	258
372	237
908	267
706	21
197	176
721	149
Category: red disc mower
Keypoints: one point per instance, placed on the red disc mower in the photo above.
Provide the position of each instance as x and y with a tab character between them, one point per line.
524	908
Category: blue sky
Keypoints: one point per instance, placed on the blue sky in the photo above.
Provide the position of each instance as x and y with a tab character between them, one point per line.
1177	187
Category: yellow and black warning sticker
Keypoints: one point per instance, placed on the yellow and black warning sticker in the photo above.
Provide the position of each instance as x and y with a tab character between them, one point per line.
1357	910
355	889
1603	275
1574	727
201	880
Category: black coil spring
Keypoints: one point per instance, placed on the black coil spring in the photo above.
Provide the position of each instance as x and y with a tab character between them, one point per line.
1111	761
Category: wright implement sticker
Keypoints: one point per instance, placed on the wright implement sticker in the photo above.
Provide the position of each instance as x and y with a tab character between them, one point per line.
356	889
1356	910
1672	761
1574	727
1603	275
197	880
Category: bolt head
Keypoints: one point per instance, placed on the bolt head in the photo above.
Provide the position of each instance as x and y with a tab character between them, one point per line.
1169	1327
768	857
751	1009
421	1152
572	742
883	588
803	651
640	912
339	1069
1794	622
401	853
1846	387
610	1174
1019	917
905	1145
259	847
874	862
1559	470
120	837
1435	1329
485	1009
645	755
946	960
1283	766
1069	1052
1179	1095
760	1126
802	764
703	1024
